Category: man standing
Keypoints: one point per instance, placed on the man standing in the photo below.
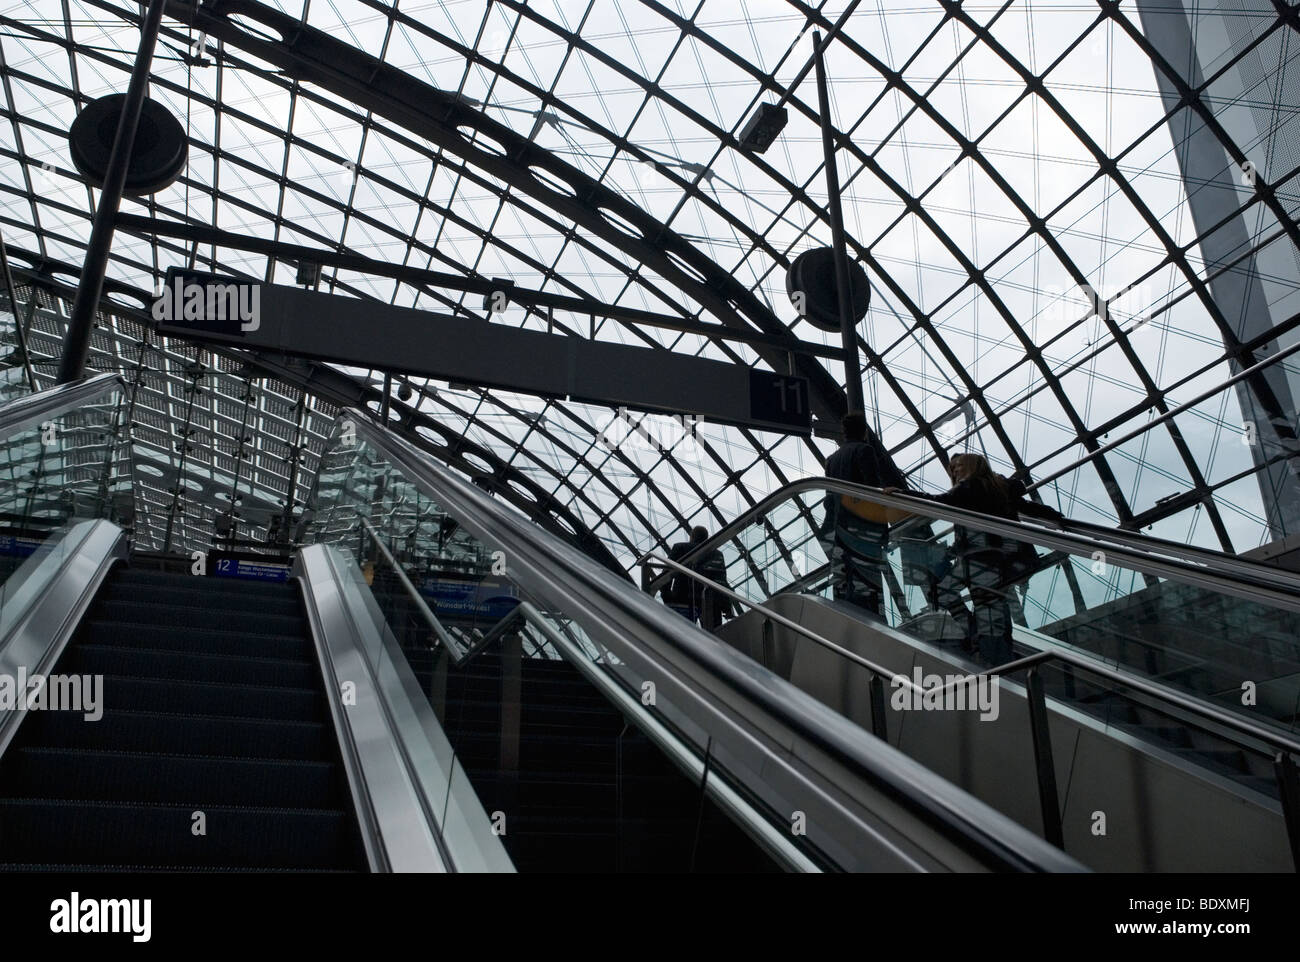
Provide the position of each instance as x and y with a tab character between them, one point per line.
691	597
854	544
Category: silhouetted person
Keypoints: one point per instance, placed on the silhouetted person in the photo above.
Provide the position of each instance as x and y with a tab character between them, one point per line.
985	564
855	544
690	596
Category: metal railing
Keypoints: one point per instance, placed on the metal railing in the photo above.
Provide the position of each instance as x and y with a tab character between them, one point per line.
633	628
1205	568
457	650
1284	765
454	649
669	741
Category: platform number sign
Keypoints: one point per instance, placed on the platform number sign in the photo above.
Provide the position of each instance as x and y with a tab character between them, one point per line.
780	400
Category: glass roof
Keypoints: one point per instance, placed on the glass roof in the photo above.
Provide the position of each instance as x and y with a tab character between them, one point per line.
1047	289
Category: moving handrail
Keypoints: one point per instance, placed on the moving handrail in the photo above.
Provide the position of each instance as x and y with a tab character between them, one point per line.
454	650
1245	579
661	734
1284	766
458	652
1221	560
32	409
630	624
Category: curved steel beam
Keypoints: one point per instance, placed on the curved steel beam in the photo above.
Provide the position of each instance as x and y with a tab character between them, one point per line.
450	122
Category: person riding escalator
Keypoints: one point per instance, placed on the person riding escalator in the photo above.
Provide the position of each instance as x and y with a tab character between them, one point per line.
987	566
853	531
691	597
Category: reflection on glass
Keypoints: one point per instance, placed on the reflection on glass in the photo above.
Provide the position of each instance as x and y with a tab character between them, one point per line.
52	474
991	599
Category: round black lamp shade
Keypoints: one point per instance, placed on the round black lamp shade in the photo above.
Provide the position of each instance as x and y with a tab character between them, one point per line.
157	158
811	286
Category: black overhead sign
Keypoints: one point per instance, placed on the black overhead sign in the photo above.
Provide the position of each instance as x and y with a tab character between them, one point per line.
209	303
779	399
364	334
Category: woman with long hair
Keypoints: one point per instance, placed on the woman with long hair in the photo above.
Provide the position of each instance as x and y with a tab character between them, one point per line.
984	564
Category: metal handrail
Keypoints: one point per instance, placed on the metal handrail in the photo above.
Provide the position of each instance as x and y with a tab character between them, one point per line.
1222	561
492	634
658	732
23	412
1288	787
459	654
1180	699
1254	581
588	587
780	619
420	604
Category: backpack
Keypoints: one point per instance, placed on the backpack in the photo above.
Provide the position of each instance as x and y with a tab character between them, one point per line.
713	566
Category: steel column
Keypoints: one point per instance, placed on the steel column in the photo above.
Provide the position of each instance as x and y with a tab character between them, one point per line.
76	343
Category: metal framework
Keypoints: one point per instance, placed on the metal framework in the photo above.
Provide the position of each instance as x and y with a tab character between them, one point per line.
1011	183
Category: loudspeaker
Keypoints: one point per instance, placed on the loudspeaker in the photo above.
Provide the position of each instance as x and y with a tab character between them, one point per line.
810	283
158	156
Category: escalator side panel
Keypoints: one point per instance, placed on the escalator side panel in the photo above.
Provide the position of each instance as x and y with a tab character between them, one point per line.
416	811
1162	812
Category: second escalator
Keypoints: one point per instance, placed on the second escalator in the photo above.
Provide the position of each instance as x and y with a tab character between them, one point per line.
571	784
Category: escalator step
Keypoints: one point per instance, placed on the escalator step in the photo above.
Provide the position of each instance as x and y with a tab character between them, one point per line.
201	597
597	843
579	696
122	833
142	731
213	641
116	776
189	666
535	716
549	752
555	793
199	698
1226	760
1165	735
217	869
186	618
212	703
243	587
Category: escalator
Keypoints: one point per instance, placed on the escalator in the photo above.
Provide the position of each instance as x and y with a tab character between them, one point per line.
153	719
1149	706
584	790
352	718
214	750
443	686
601	733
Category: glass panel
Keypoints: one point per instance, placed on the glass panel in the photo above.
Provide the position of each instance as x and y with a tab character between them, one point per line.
991	598
965	600
15	380
536	738
70	467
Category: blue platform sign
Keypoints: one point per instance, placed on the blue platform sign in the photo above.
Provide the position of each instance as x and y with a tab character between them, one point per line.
18	545
490	598
250	568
